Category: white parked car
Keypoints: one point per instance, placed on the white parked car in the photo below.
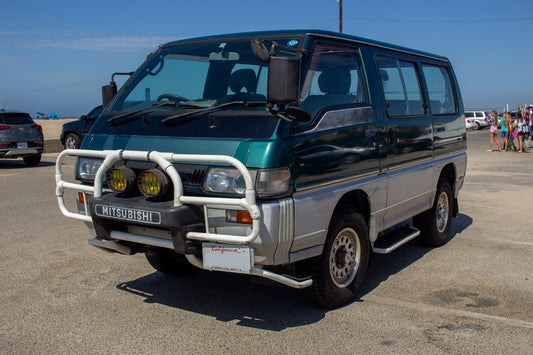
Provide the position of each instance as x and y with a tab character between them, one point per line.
469	123
479	119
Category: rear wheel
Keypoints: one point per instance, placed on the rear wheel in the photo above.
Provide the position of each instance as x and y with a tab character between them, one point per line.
32	160
339	272
169	262
435	223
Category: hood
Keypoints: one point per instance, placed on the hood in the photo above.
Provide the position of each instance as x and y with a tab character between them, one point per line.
237	148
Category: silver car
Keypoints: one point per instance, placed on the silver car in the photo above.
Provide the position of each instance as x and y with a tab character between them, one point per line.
20	137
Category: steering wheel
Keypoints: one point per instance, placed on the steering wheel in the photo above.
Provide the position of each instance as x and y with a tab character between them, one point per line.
172	97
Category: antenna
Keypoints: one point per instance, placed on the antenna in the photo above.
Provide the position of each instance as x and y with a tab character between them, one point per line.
340	15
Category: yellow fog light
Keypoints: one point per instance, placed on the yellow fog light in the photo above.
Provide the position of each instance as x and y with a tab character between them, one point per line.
120	179
152	182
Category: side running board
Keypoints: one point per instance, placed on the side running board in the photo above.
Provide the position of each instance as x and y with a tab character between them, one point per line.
394	239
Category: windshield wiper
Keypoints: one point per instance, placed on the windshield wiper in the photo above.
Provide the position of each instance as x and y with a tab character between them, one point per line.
113	121
169	120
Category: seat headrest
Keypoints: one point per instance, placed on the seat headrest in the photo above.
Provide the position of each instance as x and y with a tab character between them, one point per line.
335	81
242	78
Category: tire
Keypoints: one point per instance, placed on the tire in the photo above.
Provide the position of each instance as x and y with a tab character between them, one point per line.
435	223
339	272
32	160
72	141
169	262
477	126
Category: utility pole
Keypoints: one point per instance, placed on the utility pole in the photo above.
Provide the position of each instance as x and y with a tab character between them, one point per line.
340	15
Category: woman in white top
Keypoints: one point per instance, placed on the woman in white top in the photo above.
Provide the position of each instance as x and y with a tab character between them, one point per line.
523	129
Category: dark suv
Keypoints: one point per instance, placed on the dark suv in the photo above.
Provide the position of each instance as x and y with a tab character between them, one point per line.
73	132
20	137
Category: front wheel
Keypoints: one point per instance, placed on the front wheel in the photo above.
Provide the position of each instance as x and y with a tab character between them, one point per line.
72	141
435	223
339	272
169	262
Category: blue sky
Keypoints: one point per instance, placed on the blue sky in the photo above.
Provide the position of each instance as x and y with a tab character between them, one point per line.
55	55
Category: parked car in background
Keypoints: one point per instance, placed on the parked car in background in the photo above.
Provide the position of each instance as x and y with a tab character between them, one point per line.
479	119
73	132
20	137
469	123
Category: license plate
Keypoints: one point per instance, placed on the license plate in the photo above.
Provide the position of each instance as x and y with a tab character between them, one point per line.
22	145
128	214
229	258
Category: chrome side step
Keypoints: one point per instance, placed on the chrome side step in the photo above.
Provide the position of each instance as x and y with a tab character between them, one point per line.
394	239
282	279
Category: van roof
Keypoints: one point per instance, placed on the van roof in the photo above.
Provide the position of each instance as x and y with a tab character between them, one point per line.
304	33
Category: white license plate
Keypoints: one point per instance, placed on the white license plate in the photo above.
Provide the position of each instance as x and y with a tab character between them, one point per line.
229	258
22	145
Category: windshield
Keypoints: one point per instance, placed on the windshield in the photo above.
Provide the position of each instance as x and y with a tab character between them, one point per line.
201	75
180	82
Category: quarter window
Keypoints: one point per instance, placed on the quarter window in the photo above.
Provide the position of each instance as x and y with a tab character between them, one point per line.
401	87
439	85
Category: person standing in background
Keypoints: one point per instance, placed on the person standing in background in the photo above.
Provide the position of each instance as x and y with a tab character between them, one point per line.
493	121
522	129
529	118
506	130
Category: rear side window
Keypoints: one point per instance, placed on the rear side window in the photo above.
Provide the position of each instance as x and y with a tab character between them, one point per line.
15	118
401	87
469	114
440	90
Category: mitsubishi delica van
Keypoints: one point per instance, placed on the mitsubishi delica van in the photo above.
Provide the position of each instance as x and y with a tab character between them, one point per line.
288	155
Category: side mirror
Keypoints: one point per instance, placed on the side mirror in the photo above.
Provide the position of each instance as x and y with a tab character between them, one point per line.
108	91
83	118
283	80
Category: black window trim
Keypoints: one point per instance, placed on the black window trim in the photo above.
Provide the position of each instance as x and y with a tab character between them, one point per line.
299	127
453	87
421	84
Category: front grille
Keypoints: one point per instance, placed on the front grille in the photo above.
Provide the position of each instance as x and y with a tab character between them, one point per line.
197	177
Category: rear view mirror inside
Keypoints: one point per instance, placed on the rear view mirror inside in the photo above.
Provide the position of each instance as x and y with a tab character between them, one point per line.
223	56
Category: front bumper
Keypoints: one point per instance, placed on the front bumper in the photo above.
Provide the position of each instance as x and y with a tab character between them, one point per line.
20	153
111	213
184	223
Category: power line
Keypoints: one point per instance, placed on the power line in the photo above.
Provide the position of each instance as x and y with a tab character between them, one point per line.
395	20
380	19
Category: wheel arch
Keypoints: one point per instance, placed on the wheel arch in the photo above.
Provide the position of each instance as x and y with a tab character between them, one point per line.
356	200
449	174
66	133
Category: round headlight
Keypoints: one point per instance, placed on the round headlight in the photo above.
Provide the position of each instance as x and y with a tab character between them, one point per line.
239	185
152	182
121	179
87	168
218	180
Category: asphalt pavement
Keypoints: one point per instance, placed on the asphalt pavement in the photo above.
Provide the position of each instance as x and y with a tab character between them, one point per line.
473	295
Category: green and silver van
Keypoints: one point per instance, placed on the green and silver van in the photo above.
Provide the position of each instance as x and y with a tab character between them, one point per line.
289	155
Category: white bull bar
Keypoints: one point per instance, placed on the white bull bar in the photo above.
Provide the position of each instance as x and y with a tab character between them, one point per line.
164	161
